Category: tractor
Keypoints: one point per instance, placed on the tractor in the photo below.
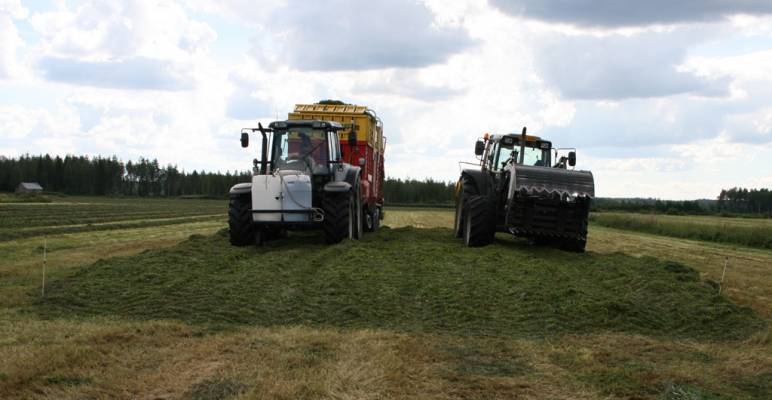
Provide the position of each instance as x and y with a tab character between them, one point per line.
518	190
300	182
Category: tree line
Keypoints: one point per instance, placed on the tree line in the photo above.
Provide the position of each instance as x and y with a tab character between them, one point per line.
729	201
99	176
412	191
739	200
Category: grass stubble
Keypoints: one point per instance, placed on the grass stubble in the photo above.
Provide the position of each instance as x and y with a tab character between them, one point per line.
507	321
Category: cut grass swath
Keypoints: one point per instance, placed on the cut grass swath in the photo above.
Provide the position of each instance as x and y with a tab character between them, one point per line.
403	279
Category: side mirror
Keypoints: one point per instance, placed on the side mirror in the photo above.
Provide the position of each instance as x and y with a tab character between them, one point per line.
244	139
352	139
571	158
479	148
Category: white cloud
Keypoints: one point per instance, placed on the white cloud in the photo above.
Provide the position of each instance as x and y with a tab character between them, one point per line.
10	41
409	84
133	44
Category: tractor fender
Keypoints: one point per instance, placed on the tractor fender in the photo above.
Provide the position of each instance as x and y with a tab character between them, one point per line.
241	188
337	187
481	180
352	175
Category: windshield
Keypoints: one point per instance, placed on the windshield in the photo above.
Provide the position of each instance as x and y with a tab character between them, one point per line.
300	149
533	156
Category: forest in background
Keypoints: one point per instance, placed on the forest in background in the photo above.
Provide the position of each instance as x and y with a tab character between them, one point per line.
109	176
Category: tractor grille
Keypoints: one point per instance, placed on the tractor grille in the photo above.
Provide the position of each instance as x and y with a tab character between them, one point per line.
550	202
529	216
551	182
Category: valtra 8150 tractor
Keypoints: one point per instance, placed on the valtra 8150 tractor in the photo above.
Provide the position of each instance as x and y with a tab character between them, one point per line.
305	180
363	146
517	189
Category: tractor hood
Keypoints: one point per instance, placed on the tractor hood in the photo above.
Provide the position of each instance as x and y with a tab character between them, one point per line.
548	182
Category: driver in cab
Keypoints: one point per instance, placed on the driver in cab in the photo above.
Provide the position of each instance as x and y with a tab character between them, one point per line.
303	155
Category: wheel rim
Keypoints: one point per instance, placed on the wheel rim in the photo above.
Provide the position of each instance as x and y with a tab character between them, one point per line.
351	217
459	215
369	221
357	229
468	229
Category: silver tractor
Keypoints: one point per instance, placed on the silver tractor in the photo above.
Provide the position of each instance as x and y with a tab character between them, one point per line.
299	183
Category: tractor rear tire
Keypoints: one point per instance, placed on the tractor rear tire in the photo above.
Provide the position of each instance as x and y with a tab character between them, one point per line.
479	221
337	216
240	223
467	189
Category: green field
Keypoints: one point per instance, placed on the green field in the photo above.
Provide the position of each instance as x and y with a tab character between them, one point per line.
145	298
753	232
20	220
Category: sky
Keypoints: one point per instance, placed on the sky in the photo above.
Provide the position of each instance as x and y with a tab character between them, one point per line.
661	99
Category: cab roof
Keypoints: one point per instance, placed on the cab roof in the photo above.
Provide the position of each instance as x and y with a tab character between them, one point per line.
511	139
306	123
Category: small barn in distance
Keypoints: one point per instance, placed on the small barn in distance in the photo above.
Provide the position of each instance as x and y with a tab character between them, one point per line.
29	187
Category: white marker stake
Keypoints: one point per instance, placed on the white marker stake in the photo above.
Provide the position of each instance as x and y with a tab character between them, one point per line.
721	284
43	287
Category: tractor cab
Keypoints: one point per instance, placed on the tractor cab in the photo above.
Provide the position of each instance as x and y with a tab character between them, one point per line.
309	147
498	151
509	149
303	146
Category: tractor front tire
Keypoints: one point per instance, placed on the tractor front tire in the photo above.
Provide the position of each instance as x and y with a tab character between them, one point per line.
467	189
240	223
479	221
337	216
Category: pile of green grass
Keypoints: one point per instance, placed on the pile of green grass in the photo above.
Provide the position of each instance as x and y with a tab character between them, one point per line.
744	231
404	279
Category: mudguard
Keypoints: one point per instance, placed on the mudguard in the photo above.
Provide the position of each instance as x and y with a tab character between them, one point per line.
352	175
337	187
241	188
481	180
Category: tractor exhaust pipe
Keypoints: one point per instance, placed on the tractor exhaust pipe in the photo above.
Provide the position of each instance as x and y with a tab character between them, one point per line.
264	151
522	147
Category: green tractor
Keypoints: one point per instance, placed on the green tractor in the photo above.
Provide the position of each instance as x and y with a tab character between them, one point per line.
519	189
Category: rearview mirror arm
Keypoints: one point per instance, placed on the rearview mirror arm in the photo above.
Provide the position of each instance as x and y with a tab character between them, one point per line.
264	151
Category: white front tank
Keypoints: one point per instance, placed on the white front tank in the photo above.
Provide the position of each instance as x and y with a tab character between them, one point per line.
296	195
285	191
266	195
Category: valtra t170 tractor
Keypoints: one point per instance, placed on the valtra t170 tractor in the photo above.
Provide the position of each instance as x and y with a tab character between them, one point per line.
519	190
304	180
